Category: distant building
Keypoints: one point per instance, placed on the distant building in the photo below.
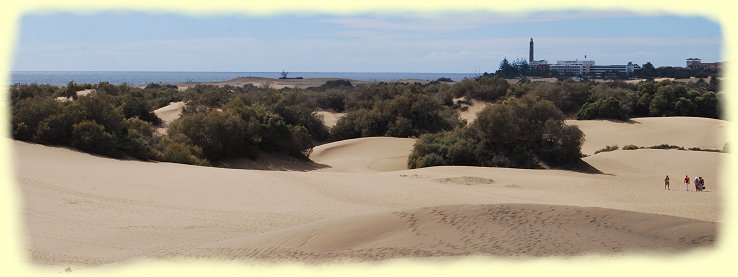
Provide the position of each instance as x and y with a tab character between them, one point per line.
573	68
696	63
600	70
540	64
589	68
580	68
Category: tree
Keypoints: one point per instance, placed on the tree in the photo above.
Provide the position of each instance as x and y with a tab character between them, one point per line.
646	71
521	66
507	70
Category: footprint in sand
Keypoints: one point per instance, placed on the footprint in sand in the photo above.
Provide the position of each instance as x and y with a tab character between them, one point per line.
465	180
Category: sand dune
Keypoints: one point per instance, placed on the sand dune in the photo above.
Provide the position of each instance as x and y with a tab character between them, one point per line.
330	118
83	210
364	154
471	113
511	230
168	114
687	132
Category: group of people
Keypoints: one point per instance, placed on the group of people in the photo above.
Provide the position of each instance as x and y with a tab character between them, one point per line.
699	183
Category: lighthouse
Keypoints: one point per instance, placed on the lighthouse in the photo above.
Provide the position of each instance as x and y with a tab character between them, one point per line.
530	52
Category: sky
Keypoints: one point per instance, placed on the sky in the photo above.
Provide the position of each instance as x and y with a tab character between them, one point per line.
369	42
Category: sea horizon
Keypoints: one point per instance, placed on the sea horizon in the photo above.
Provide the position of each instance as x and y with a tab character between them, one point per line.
59	77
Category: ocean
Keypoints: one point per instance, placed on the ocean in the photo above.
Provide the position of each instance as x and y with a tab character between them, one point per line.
146	77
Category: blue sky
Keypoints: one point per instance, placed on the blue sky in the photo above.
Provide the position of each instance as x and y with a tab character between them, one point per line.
386	42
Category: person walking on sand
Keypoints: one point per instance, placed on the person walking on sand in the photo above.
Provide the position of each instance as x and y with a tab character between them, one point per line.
666	183
699	183
686	182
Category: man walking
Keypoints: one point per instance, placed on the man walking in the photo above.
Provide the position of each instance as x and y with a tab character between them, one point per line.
666	182
686	182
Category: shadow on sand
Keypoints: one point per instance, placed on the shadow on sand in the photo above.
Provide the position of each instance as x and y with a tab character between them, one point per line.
582	167
272	162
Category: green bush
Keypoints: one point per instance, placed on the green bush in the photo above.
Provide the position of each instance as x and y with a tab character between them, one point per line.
332	100
666	146
140	141
519	131
135	106
609	108
608	149
176	148
630	147
29	112
485	88
57	128
91	137
398	114
447	148
525	132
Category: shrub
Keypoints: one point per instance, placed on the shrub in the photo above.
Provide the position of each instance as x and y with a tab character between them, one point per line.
607	149
405	114
525	132
135	106
57	128
666	146
630	147
447	148
91	137
609	108
219	134
485	88
705	150
176	148
332	100
29	112
139	140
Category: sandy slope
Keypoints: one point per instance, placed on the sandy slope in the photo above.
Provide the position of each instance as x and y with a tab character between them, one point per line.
648	131
168	114
461	230
471	114
329	118
84	210
364	154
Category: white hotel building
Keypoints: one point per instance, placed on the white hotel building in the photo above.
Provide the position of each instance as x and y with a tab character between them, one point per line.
589	68
580	68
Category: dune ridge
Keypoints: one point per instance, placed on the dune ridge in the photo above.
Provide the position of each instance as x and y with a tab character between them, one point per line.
372	154
84	210
511	230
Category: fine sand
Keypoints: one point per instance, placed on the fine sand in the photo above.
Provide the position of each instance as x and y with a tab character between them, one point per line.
705	133
362	204
168	114
329	118
470	114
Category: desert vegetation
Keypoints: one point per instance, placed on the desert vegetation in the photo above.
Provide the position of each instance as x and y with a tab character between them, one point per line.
522	132
522	128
